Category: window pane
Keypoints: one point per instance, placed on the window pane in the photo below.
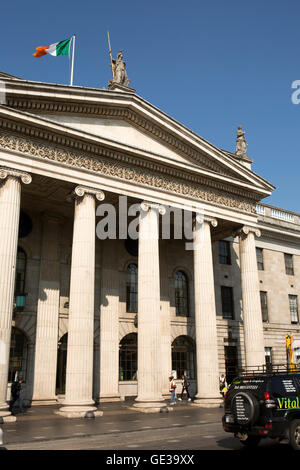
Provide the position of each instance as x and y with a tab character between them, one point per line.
181	294
264	305
289	265
132	289
259	257
224	252
20	272
293	301
227	302
128	358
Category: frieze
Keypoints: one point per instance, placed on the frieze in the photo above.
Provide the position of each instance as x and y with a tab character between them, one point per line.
101	164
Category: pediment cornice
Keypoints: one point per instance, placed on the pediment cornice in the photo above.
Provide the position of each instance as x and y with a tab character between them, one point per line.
43	98
128	115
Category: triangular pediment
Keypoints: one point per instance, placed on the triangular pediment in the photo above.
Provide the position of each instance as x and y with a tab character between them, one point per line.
120	131
124	120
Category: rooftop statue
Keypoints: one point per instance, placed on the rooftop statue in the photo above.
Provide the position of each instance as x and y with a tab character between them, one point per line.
119	71
241	144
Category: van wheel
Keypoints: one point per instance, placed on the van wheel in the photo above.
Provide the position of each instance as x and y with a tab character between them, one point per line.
251	441
295	434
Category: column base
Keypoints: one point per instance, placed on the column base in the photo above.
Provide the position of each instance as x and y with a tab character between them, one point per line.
78	411
108	398
207	402
7	417
44	401
149	406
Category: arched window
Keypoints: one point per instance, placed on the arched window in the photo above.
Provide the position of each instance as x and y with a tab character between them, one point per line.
20	272
132	289
183	356
181	294
18	355
128	357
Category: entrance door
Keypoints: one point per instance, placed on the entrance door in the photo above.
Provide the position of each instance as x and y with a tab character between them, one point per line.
61	365
231	363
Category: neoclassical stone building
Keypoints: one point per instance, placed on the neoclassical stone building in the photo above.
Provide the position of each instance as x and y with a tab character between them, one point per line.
86	320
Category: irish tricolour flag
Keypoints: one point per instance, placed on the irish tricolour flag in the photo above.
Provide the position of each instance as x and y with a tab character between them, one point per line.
59	48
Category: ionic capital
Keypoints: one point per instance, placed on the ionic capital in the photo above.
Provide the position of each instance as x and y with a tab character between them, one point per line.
199	219
246	229
11	172
80	191
146	206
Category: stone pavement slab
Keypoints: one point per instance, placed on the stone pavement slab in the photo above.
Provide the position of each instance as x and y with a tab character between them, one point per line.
41	424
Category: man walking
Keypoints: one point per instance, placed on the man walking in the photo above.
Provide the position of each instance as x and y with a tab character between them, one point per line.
16	394
185	387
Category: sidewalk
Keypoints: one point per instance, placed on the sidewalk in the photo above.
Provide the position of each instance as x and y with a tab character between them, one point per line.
40	423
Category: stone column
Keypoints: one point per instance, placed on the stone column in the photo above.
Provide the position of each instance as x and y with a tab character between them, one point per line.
79	378
165	331
10	197
253	326
47	314
149	397
109	324
208	394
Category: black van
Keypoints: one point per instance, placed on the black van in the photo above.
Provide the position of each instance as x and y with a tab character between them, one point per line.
264	402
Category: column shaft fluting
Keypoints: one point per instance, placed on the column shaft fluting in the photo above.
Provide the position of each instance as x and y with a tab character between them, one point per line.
10	195
149	371
47	313
109	324
253	327
79	376
205	318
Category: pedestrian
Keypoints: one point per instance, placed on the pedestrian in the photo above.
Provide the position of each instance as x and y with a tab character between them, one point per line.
172	390
16	394
185	387
223	384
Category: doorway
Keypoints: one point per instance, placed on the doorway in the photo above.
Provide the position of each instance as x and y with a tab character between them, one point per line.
231	363
61	365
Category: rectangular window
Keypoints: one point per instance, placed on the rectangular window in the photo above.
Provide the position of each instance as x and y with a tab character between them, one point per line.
227	302
260	259
264	306
293	300
289	264
224	252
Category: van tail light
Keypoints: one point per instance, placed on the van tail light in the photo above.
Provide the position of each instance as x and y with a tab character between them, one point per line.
226	393
269	401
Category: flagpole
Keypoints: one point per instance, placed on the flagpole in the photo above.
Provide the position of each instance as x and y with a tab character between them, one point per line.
72	66
111	59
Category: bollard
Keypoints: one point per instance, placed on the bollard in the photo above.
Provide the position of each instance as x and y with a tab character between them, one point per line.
164	409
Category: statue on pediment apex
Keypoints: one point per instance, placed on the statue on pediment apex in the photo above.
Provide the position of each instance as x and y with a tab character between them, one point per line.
241	144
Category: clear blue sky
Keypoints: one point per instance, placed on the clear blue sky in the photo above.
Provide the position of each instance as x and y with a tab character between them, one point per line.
210	65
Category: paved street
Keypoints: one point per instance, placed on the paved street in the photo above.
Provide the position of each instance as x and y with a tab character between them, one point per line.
187	427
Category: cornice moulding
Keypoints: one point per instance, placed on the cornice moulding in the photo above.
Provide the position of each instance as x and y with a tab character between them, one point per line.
36	96
38	128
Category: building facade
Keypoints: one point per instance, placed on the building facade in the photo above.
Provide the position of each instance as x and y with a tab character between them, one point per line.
85	319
